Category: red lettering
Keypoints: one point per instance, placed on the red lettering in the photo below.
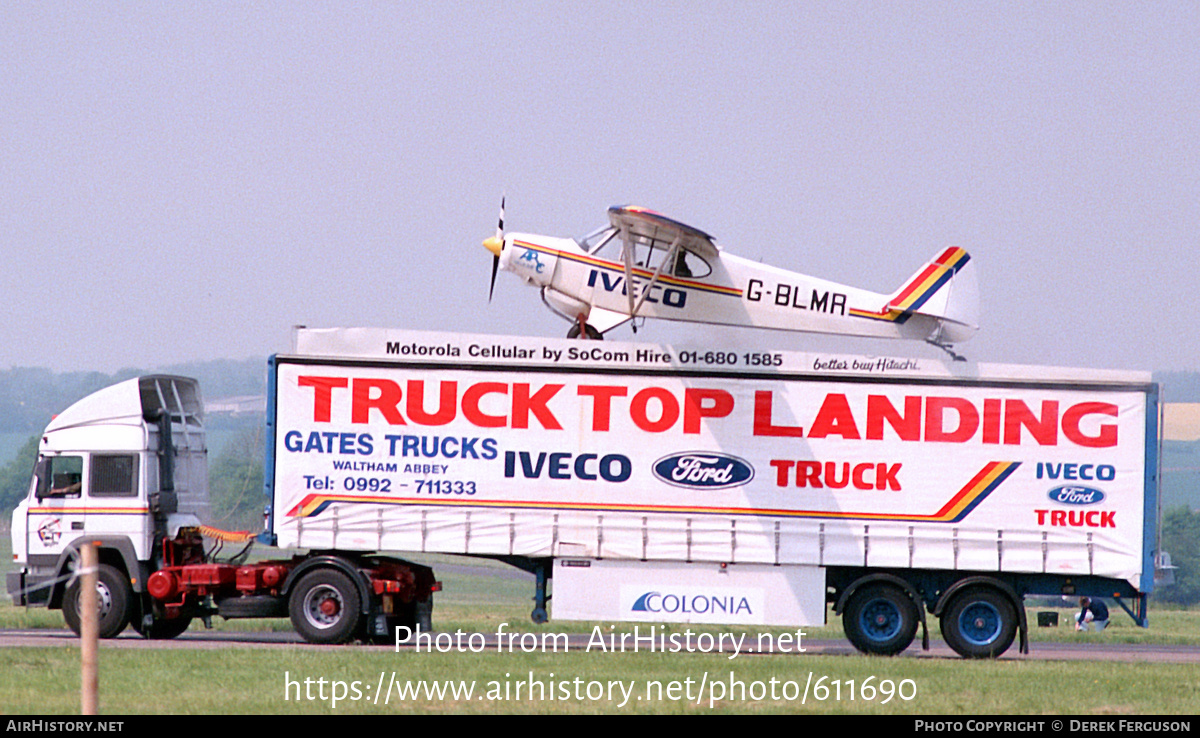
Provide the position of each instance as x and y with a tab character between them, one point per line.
808	471
386	402
1079	518
885	477
762	419
782	467
991	421
601	402
831	479
968	419
323	394
694	407
470	404
668	403
447	401
837	474
1106	438
525	403
1044	429
834	418
860	476
907	426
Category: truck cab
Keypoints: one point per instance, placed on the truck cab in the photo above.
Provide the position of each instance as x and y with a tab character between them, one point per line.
124	467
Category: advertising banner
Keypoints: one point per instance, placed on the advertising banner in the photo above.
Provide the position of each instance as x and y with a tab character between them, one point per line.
526	456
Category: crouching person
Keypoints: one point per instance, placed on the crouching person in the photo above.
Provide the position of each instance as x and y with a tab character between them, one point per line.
1092	613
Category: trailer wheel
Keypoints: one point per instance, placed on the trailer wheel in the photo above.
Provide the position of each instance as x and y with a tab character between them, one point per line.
113	597
880	619
980	623
325	607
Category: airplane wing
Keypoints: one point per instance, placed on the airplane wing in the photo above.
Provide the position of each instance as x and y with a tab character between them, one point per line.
648	228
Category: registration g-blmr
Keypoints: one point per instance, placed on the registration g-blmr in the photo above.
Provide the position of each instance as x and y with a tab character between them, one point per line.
703	470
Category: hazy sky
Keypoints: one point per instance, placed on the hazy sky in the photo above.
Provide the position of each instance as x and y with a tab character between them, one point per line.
188	180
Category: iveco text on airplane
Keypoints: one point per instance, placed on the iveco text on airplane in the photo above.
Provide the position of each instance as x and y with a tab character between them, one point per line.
646	265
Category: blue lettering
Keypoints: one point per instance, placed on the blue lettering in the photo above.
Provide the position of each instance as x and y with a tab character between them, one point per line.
560	465
581	468
1088	472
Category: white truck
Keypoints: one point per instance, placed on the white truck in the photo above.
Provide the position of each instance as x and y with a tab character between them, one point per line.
649	483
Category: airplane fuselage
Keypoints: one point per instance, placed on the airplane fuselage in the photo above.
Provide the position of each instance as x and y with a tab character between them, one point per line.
735	291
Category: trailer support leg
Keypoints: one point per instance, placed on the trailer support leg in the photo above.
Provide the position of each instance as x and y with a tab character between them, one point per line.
539	614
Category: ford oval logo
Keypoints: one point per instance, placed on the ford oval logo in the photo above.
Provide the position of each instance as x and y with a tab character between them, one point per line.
703	470
1075	494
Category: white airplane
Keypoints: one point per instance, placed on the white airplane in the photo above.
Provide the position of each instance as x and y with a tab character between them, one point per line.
646	265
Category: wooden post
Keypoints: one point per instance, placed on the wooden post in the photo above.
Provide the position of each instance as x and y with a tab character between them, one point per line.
89	630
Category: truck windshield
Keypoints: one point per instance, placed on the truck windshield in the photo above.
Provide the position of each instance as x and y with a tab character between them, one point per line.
59	476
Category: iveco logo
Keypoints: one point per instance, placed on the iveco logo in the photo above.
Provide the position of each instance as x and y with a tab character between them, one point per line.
1074	494
703	470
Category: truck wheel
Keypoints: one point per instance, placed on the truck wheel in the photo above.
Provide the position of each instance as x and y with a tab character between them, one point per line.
325	607
159	629
880	619
980	623
113	597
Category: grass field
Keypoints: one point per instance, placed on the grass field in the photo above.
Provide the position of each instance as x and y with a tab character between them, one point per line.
479	596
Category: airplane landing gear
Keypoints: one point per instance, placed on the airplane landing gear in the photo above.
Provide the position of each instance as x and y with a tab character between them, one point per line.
584	331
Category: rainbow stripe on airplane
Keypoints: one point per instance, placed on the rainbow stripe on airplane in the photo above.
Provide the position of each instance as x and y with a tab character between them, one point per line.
920	288
991	476
619	269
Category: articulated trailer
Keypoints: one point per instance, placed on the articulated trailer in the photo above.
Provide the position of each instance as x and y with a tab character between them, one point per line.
645	482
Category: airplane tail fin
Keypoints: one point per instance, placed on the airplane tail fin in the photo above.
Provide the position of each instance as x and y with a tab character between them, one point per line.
945	289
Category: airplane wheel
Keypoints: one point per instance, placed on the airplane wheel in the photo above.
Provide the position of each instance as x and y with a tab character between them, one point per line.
589	332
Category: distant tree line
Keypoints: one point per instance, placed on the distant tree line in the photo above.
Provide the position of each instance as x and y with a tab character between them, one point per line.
29	398
1181	539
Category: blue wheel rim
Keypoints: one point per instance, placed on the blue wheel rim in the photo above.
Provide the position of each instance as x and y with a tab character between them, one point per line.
880	620
980	623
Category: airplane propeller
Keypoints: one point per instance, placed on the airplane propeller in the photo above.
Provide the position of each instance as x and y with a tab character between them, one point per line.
495	244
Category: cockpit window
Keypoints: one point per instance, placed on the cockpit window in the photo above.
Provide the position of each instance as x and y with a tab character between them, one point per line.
647	254
690	266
